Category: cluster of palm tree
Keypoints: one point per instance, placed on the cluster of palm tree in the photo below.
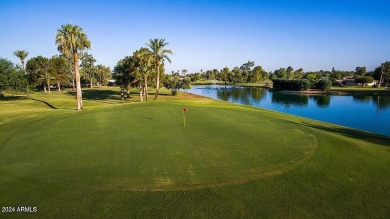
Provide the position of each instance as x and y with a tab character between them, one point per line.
145	67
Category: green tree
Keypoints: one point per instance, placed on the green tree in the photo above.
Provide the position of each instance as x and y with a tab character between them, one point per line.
324	84
224	75
12	78
88	70
195	76
298	74
70	70
281	73
144	67
364	80
360	71
236	75
246	70
103	74
37	69
58	70
70	40
247	66
385	73
289	72
272	76
21	54
174	82
159	54
312	76
125	73
256	75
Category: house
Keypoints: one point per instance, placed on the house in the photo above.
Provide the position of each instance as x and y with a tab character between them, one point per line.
347	81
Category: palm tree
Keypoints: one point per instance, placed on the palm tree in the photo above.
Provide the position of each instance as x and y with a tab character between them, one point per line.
159	54
21	54
70	40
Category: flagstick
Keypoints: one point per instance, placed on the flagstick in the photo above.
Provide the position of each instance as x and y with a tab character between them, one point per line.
184	117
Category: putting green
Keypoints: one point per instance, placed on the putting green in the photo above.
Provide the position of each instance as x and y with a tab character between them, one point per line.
144	147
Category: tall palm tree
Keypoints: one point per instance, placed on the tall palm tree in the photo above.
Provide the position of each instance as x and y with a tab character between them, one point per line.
70	40
159	54
21	54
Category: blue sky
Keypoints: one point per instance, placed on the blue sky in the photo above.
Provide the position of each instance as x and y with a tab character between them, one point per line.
307	34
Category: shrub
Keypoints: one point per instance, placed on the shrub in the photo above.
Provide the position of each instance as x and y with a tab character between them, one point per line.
174	92
324	84
296	85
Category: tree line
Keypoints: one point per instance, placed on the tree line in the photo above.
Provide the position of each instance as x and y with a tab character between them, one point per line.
249	73
59	70
74	66
42	72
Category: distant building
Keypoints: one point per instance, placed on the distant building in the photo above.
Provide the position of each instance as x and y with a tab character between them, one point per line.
350	81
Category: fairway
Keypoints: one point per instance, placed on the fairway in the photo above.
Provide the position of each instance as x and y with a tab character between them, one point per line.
122	159
145	147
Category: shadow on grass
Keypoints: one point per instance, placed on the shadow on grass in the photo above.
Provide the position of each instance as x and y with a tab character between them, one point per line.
15	98
12	98
98	94
102	95
353	133
48	104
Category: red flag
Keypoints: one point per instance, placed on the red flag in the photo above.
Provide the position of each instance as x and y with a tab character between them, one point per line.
184	109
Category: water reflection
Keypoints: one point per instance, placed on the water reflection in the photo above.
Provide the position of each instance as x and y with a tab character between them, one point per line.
361	98
322	101
241	95
249	96
381	102
289	99
343	110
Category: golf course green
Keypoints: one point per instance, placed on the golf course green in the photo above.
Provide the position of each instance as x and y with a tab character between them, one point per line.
138	159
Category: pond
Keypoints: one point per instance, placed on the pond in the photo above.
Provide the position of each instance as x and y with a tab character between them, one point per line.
369	113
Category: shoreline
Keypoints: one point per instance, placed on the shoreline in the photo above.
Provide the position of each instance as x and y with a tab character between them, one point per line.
332	91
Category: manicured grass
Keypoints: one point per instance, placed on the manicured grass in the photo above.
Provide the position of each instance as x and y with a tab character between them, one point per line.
360	90
131	159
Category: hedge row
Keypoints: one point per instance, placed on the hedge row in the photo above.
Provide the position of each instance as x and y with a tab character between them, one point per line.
296	85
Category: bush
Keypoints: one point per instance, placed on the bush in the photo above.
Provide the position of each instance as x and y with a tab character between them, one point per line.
324	84
296	85
174	92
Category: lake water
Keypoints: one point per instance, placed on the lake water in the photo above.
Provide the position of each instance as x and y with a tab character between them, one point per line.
370	113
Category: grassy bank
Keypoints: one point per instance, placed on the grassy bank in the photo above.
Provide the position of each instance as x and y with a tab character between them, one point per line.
132	159
335	90
360	90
